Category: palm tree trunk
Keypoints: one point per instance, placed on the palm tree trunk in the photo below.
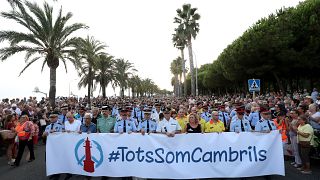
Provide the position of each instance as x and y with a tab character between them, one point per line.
103	90
89	87
176	85
180	86
193	85
52	91
184	73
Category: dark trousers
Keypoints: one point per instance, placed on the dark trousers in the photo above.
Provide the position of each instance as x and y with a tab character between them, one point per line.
22	145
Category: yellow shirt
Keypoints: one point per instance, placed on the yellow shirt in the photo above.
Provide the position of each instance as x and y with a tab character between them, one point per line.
182	122
214	127
306	129
203	124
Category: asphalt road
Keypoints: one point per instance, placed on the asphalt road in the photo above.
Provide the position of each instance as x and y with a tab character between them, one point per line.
36	170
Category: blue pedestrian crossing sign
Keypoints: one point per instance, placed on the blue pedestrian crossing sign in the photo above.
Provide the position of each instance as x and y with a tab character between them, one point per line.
254	85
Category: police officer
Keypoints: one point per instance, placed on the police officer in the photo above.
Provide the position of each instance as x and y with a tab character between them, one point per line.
239	124
147	125
205	114
224	117
124	124
54	126
105	123
254	116
139	113
265	124
168	125
62	118
80	115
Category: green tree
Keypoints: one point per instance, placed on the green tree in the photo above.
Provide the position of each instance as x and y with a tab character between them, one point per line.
180	41
105	73
89	51
124	69
187	20
43	38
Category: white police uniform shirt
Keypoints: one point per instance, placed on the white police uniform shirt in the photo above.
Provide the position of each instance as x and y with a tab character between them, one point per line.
62	119
124	126
238	125
233	113
139	114
150	124
265	125
115	111
168	126
206	116
226	117
254	117
56	127
246	117
155	115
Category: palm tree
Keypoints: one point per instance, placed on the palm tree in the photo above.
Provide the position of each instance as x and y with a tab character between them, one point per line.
44	39
105	72
179	41
187	21
134	83
124	69
173	69
88	52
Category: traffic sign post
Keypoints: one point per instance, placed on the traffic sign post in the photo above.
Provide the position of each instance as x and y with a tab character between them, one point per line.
254	86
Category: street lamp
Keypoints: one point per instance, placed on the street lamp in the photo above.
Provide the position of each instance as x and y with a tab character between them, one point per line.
69	86
36	90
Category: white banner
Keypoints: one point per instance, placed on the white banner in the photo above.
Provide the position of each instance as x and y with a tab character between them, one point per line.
184	156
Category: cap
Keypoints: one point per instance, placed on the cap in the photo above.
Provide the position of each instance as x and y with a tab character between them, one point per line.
64	107
54	114
106	107
309	97
123	110
240	111
264	110
82	108
13	105
167	109
147	111
222	106
129	108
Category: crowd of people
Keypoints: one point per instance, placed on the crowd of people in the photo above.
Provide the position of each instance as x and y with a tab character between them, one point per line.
295	116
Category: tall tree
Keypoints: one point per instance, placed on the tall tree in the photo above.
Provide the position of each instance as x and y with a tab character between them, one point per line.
88	52
105	72
176	70
43	39
187	20
180	41
124	69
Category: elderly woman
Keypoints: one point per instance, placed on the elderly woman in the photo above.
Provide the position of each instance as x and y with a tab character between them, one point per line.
305	134
193	126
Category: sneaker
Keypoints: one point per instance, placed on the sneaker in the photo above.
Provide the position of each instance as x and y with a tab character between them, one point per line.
13	160
293	163
297	165
306	172
10	163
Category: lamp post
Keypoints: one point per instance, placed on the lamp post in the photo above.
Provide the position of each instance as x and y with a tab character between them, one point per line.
69	86
36	90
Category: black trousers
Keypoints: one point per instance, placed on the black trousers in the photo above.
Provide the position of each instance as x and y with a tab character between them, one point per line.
22	145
